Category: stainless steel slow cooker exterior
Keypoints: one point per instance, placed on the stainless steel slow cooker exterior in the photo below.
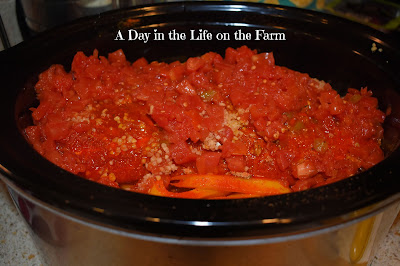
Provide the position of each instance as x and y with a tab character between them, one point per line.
78	222
66	240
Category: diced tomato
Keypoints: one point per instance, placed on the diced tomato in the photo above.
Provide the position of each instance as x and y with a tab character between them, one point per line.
305	170
215	119
283	159
304	184
57	130
239	148
207	163
181	153
227	135
236	163
176	73
230	55
117	57
129	173
185	88
194	63
140	63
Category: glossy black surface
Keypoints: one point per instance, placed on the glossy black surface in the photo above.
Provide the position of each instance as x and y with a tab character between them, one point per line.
326	47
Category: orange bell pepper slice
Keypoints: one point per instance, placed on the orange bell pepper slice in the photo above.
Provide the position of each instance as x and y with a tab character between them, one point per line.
159	189
228	183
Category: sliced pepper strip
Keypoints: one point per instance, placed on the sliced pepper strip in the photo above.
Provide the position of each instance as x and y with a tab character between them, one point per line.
228	183
159	189
238	196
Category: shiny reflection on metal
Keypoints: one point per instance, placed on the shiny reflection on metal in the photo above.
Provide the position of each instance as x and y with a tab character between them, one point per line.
153	219
225	8
280	27
150	10
234	24
201	223
236	8
99	210
226	24
2	168
276	221
153	11
356	52
376	40
150	26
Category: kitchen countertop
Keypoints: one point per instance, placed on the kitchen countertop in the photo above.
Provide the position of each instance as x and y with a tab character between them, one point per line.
17	246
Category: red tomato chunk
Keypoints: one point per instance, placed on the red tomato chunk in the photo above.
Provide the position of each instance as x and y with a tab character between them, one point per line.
210	127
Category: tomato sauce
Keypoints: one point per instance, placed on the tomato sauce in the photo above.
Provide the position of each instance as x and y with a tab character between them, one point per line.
210	127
